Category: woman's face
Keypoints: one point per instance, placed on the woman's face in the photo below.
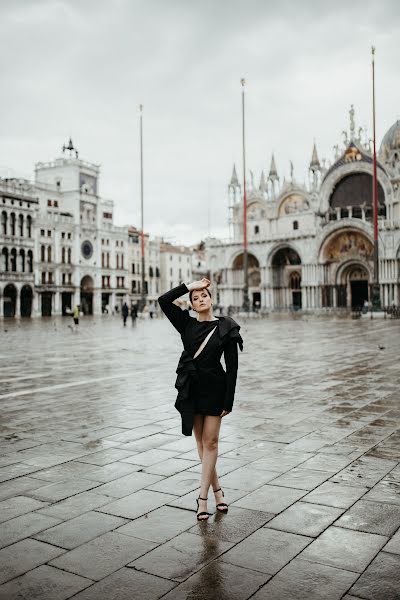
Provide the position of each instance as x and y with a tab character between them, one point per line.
201	300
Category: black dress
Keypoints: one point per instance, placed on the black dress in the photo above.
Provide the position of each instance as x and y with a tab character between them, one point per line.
203	385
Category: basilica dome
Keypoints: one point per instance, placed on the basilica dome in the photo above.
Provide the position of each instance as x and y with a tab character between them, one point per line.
391	139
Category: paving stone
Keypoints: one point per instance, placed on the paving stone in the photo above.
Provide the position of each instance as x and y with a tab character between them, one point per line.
160	525
381	580
305	519
44	583
394	544
266	550
136	504
21	527
75	469
246	478
60	490
386	490
18	505
234	526
125	582
15	487
225	466
79	530
102	556
270	498
301	478
181	557
126	485
24	556
105	457
219	581
150	457
366	471
372	517
281	461
335	494
75	505
171	466
178	485
343	548
327	462
308	581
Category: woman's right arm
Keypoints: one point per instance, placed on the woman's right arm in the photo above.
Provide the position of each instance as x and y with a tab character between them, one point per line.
176	315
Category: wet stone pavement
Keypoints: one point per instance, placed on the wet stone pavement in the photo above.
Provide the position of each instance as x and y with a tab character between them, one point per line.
98	486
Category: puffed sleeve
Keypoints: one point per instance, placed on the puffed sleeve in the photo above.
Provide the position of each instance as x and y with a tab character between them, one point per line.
178	317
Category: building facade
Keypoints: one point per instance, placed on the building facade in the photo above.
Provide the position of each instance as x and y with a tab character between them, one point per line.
176	265
152	278
59	247
311	246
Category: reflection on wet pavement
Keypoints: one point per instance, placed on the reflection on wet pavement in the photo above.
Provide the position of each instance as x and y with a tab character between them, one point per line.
98	486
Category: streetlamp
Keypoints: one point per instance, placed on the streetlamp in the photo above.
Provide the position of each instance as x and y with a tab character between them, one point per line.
246	302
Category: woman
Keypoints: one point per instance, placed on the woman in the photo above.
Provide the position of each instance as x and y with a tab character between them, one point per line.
205	390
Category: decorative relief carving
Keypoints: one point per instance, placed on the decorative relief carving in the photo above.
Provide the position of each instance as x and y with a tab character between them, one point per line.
293	204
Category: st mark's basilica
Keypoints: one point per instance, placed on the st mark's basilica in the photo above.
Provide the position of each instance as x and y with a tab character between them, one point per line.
311	246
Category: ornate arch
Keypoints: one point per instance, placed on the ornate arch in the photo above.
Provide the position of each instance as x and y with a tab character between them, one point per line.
337	174
280	246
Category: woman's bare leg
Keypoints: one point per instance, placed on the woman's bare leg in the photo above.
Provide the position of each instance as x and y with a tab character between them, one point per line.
210	434
198	433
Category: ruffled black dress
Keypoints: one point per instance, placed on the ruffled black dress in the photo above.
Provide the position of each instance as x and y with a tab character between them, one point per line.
204	387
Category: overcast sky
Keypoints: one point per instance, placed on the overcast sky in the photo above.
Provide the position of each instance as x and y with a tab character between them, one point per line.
82	67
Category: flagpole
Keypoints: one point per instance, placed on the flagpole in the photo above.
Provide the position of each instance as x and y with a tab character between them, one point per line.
376	300
246	302
143	278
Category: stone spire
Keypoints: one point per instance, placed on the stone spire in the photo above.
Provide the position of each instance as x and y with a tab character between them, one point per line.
273	173
273	177
262	187
234	179
314	163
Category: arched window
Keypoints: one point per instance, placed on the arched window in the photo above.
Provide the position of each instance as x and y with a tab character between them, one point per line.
295	224
4	259
4	222
22	260
12	223
256	229
30	261
69	256
63	255
49	254
29	225
151	273
13	260
21	225
42	253
157	272
344	213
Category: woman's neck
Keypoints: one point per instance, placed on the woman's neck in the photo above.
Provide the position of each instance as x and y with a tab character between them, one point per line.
206	316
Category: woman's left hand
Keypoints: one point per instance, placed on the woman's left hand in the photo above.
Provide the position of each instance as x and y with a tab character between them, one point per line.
224	413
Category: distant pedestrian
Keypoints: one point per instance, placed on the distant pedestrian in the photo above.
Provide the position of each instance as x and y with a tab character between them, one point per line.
134	312
125	312
152	310
75	316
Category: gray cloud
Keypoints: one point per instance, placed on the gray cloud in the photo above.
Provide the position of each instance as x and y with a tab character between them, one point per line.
81	68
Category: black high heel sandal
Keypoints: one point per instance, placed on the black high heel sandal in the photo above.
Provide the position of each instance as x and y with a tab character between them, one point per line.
199	514
222	506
